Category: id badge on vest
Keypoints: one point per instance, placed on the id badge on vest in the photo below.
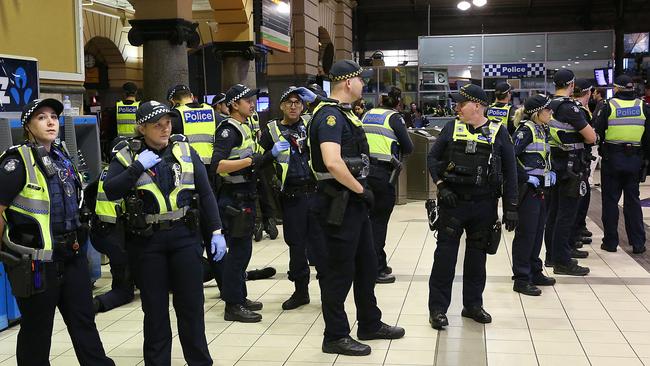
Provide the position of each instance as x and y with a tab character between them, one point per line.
547	179
176	168
470	148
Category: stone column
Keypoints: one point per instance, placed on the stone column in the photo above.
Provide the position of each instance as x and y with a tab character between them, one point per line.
343	25
165	43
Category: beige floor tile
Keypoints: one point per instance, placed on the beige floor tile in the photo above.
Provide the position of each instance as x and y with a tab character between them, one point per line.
275	353
553	335
414	344
289	328
302	363
596	336
377	356
460	344
278	340
614	361
410	357
311	355
258	363
461	359
554	324
509	359
608	350
471	332
642	350
226	353
591	324
571	348
507	334
637	337
506	346
563	360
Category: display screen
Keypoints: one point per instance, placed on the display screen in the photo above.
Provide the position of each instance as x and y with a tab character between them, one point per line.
636	42
262	104
604	76
326	87
208	99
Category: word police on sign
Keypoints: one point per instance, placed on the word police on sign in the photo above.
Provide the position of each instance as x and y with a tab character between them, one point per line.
531	69
18	82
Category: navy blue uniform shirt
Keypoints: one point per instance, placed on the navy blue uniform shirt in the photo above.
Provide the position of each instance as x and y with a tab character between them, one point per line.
396	122
299	171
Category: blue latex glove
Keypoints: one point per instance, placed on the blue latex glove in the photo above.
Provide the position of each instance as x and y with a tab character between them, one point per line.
553	177
533	180
148	159
305	94
280	146
217	247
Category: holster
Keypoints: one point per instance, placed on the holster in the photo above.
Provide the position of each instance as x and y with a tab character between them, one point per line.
494	238
241	221
338	205
397	169
26	274
432	214
135	217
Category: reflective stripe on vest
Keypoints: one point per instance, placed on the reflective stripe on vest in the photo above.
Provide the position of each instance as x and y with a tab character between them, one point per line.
537	146
33	200
105	209
199	125
283	158
376	124
499	114
350	116
556	126
626	122
461	133
181	152
244	150
125	115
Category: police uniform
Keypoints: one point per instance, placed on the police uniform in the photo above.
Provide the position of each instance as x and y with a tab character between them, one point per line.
503	113
41	190
236	198
297	189
125	116
470	166
622	125
162	218
567	159
535	177
388	142
108	237
219	116
347	255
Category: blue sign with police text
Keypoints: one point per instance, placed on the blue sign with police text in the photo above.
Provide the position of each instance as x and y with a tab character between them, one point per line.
18	82
198	116
628	112
497	112
529	69
130	109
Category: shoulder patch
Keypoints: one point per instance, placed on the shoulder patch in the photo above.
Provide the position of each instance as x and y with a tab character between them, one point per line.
576	109
331	121
225	133
10	165
520	135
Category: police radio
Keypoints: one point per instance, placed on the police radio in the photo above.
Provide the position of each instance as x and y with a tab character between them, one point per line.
44	161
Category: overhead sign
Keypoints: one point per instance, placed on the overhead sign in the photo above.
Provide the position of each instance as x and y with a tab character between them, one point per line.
434	77
532	69
275	28
18	82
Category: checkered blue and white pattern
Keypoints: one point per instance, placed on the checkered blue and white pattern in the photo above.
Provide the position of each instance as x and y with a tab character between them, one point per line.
532	69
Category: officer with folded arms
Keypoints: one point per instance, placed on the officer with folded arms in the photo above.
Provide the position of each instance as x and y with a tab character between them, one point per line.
624	129
235	162
339	157
161	179
472	163
40	204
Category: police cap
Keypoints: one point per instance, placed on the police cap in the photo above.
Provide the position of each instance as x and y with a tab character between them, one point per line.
503	87
175	89
347	69
219	98
35	104
536	103
291	90
471	93
152	111
563	78
582	85
624	82
239	91
317	90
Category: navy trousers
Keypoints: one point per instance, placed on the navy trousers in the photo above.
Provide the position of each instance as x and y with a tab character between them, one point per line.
527	244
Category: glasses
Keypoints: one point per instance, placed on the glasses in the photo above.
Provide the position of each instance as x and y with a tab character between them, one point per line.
292	103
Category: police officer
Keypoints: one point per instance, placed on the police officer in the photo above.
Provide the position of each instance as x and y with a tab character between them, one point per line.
623	127
569	133
286	140
339	153
220	108
161	178
195	120
501	110
535	177
235	161
472	162
108	237
582	95
39	203
389	142
125	110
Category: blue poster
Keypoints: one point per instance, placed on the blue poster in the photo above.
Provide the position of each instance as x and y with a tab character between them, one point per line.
513	70
18	82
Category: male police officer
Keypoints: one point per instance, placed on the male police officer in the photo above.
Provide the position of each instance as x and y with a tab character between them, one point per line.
194	120
469	162
235	161
501	110
339	150
569	132
220	108
623	127
125	110
389	142
286	141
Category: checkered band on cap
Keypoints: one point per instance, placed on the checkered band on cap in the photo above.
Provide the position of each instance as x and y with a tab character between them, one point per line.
347	76
31	110
534	110
624	87
152	114
239	96
292	89
471	97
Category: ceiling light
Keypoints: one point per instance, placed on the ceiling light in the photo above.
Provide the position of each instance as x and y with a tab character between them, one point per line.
523	58
472	46
564	67
594	51
464	5
450	46
586	54
605	46
538	46
555	69
576	62
284	7
479	3
569	60
532	51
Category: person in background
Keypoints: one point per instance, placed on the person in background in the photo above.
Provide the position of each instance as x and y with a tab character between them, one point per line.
502	110
359	107
125	111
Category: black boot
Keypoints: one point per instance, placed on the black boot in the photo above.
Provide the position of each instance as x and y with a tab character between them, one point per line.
438	319
258	231
271	228
299	298
260	274
346	346
478	314
238	313
575	253
526	288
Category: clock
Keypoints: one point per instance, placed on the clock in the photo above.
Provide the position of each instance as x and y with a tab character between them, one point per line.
89	60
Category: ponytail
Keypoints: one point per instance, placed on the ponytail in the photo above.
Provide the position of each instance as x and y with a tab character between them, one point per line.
520	115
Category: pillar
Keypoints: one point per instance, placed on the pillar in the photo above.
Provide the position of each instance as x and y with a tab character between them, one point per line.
343	26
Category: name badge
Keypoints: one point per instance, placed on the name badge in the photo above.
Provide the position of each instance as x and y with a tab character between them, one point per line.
547	179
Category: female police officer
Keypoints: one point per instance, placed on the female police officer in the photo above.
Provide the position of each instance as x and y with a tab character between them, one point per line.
39	203
532	148
158	176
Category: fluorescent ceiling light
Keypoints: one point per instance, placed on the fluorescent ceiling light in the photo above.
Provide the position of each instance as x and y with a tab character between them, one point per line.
464	5
284	7
479	3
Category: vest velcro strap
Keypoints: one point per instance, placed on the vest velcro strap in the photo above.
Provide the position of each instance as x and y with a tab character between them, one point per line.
236	179
561	125
125	121
167	216
536	147
196	138
283	158
107	219
33	253
381	157
376	130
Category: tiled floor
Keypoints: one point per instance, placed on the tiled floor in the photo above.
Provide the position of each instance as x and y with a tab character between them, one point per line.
602	319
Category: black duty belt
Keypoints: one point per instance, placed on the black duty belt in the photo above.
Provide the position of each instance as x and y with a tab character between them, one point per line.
167	225
475	197
300	189
66	241
624	148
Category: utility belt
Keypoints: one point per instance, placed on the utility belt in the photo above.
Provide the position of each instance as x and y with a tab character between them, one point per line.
142	224
65	245
627	149
25	267
475	197
394	167
359	167
299	190
237	179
